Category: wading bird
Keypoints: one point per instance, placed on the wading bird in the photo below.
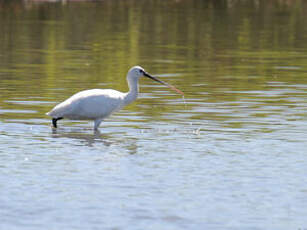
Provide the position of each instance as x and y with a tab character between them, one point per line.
97	104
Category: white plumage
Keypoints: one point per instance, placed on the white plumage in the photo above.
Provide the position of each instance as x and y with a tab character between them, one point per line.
89	104
97	104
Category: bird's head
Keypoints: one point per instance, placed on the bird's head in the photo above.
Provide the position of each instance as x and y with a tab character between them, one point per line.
137	71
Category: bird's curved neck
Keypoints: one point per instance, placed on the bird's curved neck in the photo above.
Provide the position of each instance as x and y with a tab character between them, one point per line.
133	90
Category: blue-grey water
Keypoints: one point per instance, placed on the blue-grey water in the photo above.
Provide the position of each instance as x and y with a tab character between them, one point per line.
232	155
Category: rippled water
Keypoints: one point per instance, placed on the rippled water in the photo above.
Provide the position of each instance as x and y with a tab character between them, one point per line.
232	155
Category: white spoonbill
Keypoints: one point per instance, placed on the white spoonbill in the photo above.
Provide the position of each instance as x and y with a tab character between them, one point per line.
97	104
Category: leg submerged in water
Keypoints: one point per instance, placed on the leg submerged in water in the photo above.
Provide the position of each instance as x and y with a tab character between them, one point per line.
97	123
54	121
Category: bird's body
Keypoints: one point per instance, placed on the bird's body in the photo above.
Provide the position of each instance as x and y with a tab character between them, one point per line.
89	104
97	104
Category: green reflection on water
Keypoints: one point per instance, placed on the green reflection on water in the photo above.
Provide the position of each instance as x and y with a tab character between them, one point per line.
215	51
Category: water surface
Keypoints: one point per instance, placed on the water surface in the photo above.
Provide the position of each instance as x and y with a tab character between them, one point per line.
232	157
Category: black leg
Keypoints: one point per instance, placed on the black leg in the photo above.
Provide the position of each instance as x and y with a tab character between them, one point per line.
54	120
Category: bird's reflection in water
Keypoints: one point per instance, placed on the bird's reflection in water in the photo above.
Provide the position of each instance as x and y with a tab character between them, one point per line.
91	137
